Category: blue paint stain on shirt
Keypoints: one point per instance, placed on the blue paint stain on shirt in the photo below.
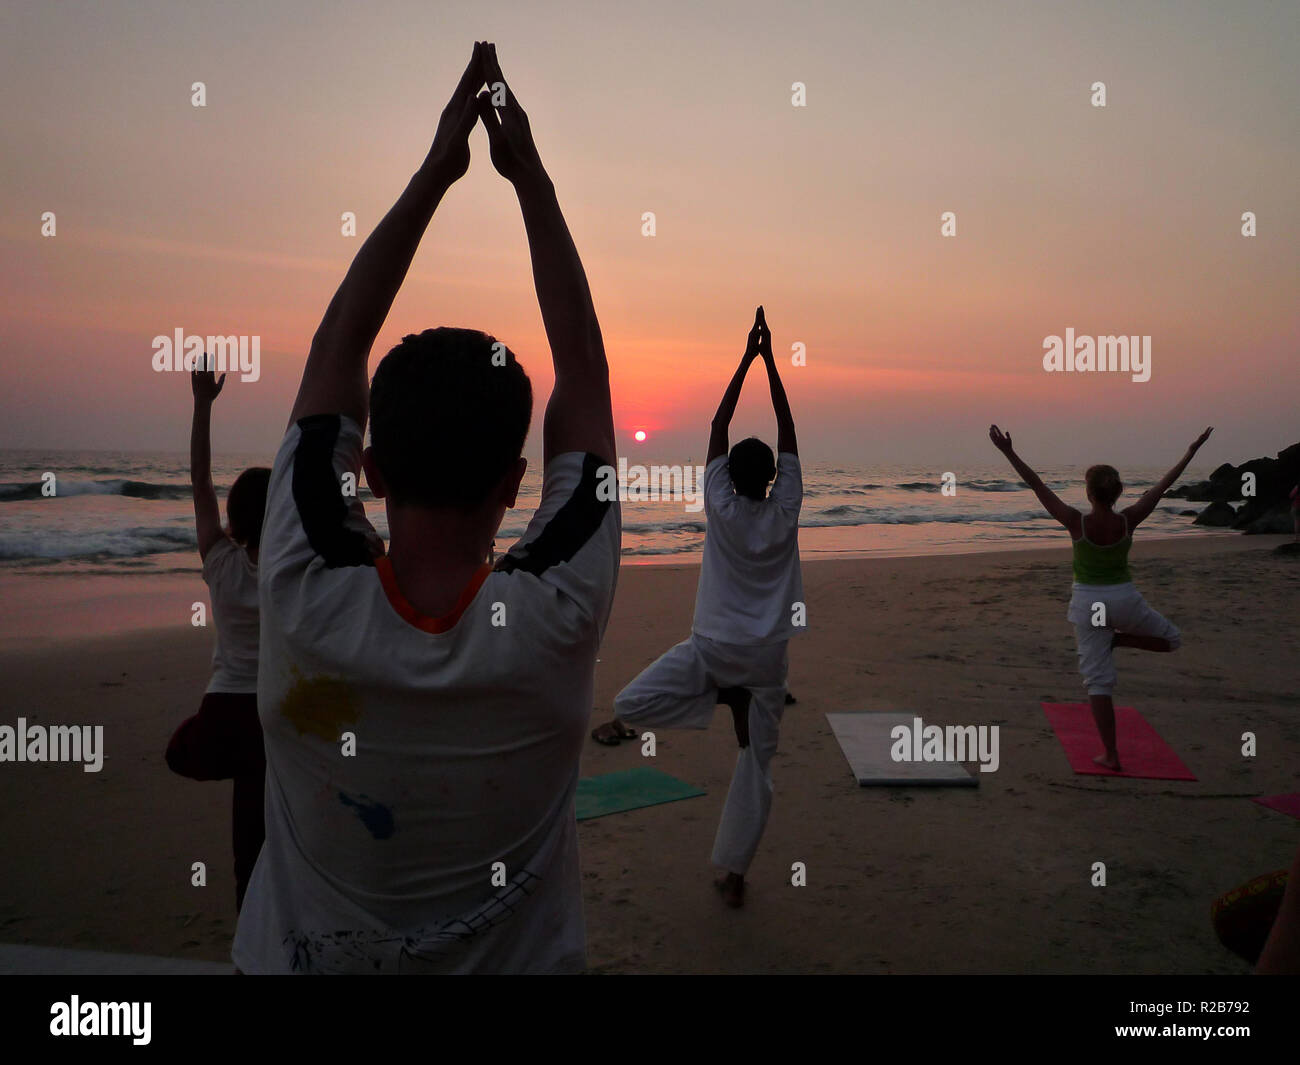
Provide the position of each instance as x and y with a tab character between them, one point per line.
377	817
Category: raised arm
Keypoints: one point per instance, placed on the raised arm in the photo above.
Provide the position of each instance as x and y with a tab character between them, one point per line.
1062	512
785	438
334	380
206	386
578	415
1141	510
718	444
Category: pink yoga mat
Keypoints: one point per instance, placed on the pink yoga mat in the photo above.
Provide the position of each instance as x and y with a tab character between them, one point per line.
1142	752
1283	804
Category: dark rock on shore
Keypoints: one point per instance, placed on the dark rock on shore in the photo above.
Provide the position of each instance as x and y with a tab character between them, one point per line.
1265	510
1219	515
1277	520
1194	492
1222	487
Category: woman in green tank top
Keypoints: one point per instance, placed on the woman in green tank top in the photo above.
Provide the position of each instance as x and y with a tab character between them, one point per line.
1097	563
1106	608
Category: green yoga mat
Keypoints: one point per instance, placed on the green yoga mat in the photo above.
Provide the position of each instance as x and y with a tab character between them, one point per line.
629	789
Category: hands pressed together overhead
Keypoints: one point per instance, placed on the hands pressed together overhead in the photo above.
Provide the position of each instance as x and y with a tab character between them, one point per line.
759	342
510	138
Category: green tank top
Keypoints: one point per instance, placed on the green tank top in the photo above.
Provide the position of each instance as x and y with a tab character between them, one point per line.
1095	564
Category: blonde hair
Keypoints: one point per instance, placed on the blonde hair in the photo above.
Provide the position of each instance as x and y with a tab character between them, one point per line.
1104	485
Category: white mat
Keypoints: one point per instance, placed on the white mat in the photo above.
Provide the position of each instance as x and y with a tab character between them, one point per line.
866	743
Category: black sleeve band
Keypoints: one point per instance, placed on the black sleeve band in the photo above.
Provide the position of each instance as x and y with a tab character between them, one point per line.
572	526
319	496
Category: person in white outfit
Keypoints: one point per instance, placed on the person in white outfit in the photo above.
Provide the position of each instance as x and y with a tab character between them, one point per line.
424	711
748	604
1106	608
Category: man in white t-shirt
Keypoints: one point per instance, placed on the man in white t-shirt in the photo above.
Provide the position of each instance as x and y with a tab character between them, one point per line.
748	604
424	710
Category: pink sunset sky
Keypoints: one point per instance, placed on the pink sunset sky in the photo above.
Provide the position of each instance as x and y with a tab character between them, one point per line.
1124	219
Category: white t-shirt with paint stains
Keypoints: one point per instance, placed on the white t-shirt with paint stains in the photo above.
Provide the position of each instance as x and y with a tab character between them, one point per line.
445	841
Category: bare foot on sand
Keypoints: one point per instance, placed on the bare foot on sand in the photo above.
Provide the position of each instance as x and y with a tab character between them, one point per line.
732	889
1107	761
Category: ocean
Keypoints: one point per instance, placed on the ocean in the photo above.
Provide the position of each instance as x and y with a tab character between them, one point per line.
130	512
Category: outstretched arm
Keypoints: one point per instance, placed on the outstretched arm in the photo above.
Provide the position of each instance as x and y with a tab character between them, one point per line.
785	438
334	380
1062	512
206	386
718	443
578	415
1141	510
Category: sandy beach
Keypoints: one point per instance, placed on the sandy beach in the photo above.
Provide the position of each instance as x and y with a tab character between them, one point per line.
991	879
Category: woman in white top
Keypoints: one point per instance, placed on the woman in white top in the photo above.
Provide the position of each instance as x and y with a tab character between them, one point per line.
223	741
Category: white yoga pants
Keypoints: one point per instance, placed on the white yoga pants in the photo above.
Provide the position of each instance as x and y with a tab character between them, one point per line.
1125	612
680	690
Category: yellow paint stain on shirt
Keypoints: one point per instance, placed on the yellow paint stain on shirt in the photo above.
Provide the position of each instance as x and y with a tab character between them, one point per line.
320	706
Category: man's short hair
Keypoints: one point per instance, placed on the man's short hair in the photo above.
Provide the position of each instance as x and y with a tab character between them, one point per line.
752	467
449	414
246	506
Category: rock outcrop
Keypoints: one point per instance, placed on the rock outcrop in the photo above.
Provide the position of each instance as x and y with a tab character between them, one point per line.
1262	486
1218	515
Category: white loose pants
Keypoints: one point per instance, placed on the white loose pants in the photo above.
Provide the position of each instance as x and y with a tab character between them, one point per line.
1098	611
680	690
